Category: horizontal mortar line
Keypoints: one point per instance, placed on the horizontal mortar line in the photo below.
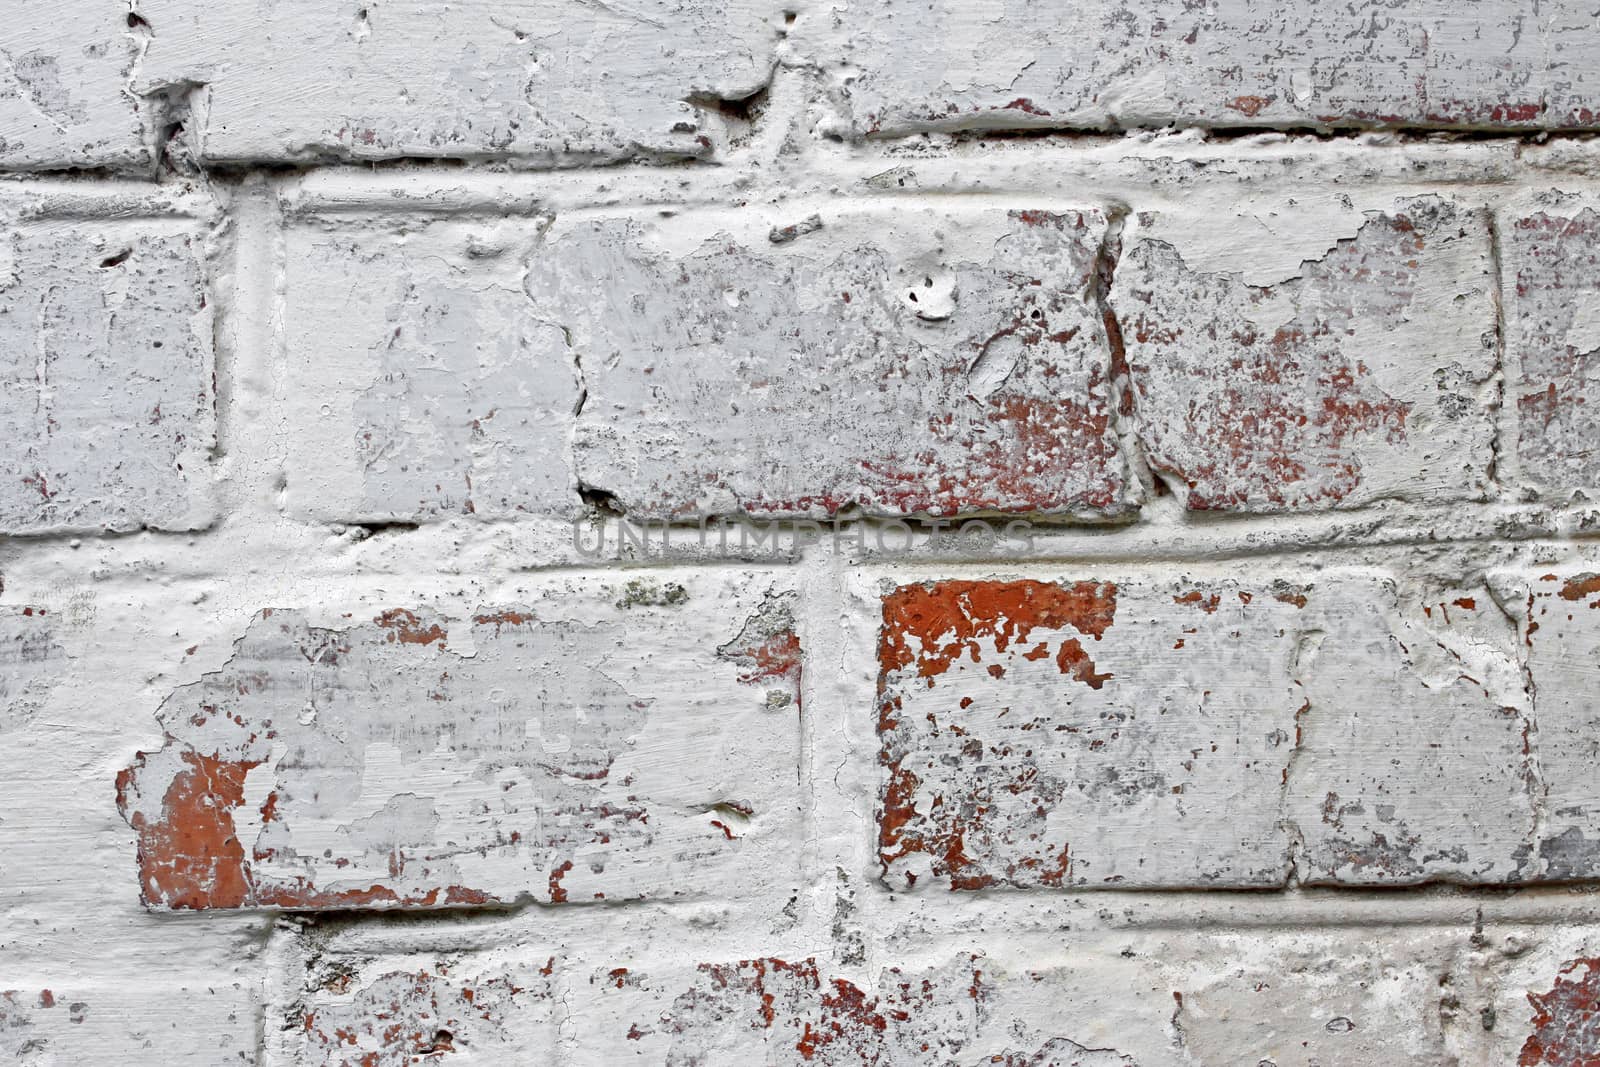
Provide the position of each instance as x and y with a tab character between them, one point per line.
835	157
1075	136
21	549
79	213
480	192
378	198
1134	554
1347	130
1212	911
1398	906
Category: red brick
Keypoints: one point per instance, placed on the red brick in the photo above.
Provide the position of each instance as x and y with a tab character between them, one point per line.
1551	250
1357	378
1154	733
959	65
1566	1019
1562	629
408	759
902	362
391	1012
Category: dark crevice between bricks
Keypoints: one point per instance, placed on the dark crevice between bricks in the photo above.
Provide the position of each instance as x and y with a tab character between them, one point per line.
1515	600
419	922
600	500
1308	644
169	114
746	109
367	530
577	370
1497	443
1124	412
739	114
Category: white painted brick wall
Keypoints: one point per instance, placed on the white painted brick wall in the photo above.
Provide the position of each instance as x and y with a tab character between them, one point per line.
1181	648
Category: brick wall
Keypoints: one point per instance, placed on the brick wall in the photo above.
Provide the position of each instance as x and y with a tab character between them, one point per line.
973	533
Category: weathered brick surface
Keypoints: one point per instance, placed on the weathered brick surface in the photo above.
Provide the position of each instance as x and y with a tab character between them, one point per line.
1091	733
1156	999
1565	1027
105	334
1413	759
1551	248
960	1008
1318	997
999	64
777	1011
1539	988
443	390
1357	377
557	80
73	1021
31	658
390	1013
63	89
1202	669
405	759
909	362
1563	638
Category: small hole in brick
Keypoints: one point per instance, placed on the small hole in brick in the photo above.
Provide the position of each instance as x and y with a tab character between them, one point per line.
913	297
927	283
1035	315
118	259
135	20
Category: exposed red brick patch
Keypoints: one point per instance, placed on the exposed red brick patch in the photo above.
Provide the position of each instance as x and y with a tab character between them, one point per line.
558	895
773	1010
1566	1020
504	618
1026	106
767	648
190	857
768	654
1075	663
1581	587
1207	604
948	619
405	626
401	1019
930	628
